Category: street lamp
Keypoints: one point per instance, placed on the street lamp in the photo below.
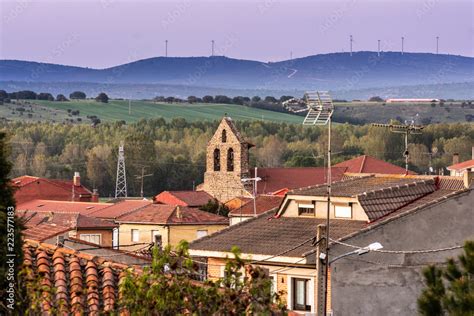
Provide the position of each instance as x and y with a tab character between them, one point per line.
360	251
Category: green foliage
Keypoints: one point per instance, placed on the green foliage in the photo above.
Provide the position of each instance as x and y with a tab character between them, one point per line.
213	206
168	288
450	290
102	97
77	95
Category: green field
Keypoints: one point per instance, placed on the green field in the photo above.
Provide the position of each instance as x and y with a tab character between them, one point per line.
37	110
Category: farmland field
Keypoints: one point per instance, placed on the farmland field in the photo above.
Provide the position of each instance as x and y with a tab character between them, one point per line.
38	110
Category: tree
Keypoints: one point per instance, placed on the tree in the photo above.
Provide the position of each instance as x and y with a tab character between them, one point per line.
61	98
78	95
208	99
270	99
45	96
3	95
25	95
449	290
256	99
376	99
11	227
102	97
192	99
222	99
167	288
213	206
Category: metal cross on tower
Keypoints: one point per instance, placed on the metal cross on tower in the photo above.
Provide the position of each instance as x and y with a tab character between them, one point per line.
121	182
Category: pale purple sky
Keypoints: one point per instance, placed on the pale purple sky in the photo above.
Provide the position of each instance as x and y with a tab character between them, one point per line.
103	33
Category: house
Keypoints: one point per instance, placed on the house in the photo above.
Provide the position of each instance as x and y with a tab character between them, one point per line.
45	219
369	164
29	188
283	241
252	208
166	225
183	198
82	283
459	168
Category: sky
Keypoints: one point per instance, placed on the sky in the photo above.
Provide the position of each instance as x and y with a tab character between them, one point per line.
104	33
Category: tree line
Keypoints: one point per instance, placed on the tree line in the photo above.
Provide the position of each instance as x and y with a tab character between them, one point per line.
174	151
6	97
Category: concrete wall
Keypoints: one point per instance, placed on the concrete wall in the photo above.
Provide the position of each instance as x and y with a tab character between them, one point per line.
389	284
189	232
145	235
106	235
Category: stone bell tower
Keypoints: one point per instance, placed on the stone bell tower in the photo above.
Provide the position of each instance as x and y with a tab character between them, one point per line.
227	162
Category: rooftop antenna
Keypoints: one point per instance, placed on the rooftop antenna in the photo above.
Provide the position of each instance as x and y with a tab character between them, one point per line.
320	109
437	45
166	48
403	40
350	41
121	182
255	179
212	48
407	129
378	48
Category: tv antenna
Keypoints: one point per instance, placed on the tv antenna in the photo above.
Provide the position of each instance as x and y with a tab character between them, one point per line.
121	180
407	129
320	109
141	177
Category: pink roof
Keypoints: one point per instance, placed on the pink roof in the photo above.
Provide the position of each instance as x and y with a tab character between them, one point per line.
275	179
172	214
120	208
61	206
368	164
462	165
183	198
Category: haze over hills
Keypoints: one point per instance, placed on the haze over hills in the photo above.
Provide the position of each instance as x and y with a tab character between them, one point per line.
201	75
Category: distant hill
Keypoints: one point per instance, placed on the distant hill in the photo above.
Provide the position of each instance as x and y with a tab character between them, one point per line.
336	71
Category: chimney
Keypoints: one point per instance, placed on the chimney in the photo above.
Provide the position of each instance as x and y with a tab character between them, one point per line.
95	196
178	212
76	179
455	158
468	178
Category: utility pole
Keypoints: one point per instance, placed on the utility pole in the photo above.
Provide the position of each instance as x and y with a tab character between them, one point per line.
403	39
166	48
378	49
121	180
350	41
320	286
141	177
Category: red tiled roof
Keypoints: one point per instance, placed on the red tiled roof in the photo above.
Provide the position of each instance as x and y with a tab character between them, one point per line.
462	165
274	179
64	184
263	204
171	215
84	208
120	208
368	164
183	198
82	283
71	220
44	231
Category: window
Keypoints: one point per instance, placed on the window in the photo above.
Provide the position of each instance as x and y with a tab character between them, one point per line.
135	235
92	238
300	294
156	238
306	208
224	136
201	233
343	211
217	160
230	159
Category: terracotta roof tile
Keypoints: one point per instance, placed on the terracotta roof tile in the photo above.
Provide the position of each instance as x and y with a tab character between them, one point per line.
462	165
77	286
263	204
120	208
44	231
62	206
274	179
368	164
183	198
69	219
171	214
